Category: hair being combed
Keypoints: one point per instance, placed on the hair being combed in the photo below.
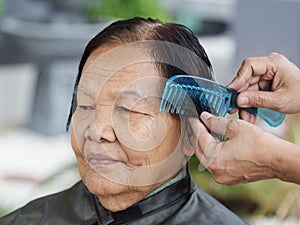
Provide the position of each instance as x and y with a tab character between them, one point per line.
192	56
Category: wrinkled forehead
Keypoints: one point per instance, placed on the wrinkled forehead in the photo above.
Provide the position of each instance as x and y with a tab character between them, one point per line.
126	67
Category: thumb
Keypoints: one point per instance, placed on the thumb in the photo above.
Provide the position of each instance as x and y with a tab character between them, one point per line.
221	125
214	123
258	99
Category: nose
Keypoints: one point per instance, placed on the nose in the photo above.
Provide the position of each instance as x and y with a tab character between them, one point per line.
100	130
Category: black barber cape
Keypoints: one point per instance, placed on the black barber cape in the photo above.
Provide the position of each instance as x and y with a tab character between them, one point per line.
182	203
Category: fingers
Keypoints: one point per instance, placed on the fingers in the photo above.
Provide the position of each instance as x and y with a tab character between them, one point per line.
213	123
244	115
202	135
221	125
251	71
250	67
206	148
233	111
258	99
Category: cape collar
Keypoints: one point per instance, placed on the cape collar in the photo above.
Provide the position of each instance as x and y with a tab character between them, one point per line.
175	193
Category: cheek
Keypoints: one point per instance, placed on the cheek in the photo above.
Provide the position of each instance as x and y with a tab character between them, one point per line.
76	143
79	124
142	128
81	164
139	132
89	177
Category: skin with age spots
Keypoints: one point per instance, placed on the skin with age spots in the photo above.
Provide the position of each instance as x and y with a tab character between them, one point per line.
125	147
128	152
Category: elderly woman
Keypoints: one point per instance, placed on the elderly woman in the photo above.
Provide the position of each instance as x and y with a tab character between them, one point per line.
131	157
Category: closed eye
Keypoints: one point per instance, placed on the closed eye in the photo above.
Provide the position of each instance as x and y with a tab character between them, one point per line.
123	109
87	107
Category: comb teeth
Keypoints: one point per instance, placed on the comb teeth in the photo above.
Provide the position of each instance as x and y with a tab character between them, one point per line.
192	100
190	95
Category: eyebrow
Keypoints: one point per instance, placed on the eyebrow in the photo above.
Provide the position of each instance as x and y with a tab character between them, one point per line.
135	94
130	92
85	90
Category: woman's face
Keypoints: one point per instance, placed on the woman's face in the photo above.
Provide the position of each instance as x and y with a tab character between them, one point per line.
122	142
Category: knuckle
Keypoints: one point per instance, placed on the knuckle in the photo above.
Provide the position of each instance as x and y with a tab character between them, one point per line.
216	168
213	168
219	180
222	180
232	125
274	54
280	104
277	57
247	61
220	174
241	75
218	124
258	101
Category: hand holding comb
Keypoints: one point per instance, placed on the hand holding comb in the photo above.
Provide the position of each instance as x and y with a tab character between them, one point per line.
190	95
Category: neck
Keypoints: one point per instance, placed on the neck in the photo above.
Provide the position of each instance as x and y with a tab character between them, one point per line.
122	201
168	201
179	176
119	202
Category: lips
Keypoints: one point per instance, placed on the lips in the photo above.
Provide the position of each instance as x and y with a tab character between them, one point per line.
100	159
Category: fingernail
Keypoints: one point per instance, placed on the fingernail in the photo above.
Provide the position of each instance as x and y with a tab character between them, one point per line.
205	116
243	101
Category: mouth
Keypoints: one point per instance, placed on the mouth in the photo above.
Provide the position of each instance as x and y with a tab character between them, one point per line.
100	159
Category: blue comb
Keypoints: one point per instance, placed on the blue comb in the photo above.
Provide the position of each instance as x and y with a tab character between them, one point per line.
190	95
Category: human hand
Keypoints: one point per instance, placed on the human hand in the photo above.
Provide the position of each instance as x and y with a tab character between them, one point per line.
245	156
269	82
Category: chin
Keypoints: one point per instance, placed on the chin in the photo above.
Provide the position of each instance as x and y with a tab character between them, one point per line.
108	192
99	185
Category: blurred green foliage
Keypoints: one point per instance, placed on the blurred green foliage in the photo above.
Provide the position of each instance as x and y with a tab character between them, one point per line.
3	212
262	198
124	9
247	200
292	132
2	7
